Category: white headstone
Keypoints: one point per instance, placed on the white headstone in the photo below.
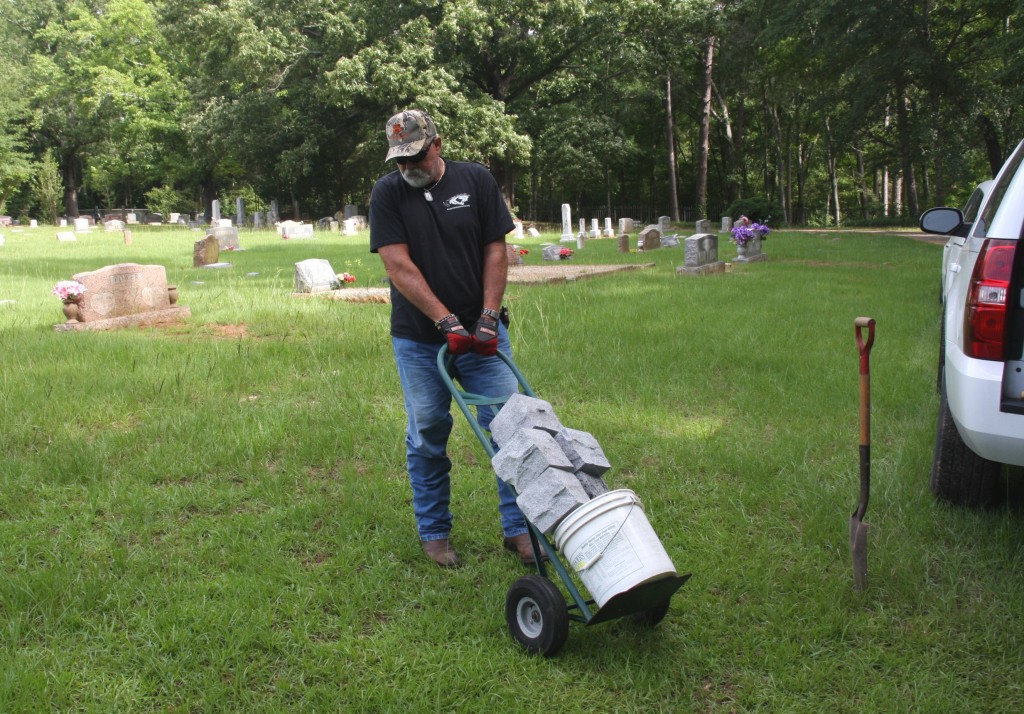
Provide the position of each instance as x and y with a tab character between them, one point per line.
663	222
33	223
608	232
215	213
63	236
519	229
594	230
726	224
536	234
566	222
350	226
81	225
314	275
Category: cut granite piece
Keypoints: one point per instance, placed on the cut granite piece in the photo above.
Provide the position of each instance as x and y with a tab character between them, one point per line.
593	485
547	500
522	412
529	453
583	451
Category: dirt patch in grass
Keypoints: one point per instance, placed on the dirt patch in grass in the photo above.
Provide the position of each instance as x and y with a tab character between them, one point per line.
562	271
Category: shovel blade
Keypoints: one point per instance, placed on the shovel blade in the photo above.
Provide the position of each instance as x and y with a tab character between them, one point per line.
859	552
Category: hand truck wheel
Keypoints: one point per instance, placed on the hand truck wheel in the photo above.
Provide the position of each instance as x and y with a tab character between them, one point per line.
536	615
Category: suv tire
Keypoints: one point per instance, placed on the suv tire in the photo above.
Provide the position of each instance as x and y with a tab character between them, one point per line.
959	476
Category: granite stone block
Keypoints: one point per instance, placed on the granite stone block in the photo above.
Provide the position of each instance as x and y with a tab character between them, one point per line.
583	451
529	453
550	498
522	412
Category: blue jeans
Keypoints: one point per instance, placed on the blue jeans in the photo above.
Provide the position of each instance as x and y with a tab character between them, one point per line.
428	406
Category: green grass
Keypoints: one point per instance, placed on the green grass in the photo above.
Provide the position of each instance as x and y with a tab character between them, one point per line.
216	518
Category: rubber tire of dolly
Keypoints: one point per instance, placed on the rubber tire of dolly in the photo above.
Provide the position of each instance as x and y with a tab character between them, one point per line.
536	615
652	615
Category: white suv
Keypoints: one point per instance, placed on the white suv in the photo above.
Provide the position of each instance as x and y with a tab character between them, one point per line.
981	353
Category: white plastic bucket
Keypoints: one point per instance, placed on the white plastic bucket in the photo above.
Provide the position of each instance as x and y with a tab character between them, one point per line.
611	544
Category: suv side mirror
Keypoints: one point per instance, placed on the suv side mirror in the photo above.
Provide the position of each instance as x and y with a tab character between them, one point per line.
941	220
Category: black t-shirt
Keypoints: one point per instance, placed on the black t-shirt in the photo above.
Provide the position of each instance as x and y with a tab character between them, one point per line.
446	237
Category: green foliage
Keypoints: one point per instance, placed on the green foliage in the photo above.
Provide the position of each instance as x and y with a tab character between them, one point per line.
759	209
46	186
167	199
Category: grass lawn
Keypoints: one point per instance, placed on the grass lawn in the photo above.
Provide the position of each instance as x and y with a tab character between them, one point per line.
215	516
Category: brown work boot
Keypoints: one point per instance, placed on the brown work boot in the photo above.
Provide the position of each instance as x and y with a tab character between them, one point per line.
521	545
441	552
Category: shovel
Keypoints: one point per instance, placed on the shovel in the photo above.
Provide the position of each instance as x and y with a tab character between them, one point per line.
858	528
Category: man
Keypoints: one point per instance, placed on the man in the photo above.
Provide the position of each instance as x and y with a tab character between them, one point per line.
439	227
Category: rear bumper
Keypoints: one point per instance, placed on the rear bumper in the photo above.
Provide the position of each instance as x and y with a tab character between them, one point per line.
973	390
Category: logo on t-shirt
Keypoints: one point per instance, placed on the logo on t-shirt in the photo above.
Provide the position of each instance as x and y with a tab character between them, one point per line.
459	200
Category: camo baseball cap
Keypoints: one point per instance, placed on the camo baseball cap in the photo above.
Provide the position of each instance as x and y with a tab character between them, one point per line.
409	132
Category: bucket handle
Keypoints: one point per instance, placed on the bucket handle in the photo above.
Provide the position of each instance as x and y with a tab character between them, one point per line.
590	563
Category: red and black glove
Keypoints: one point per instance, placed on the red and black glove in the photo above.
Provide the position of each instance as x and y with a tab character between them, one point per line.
485	333
459	341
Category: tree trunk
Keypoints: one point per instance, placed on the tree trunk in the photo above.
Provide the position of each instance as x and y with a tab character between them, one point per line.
833	172
673	188
906	151
862	182
70	185
704	142
991	138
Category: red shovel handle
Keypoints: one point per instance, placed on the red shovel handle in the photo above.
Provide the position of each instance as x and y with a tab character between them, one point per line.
864	348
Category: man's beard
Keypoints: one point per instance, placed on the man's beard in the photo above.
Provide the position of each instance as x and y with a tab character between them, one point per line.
417	178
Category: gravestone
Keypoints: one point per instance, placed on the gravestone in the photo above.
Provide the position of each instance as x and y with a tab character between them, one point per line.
566	222
273	216
205	252
514	258
63	223
257	219
534	233
350	210
701	255
753	251
292	230
518	229
726	224
65	236
6	221
33	223
131	218
81	225
703	226
350	226
239	212
670	241
582	231
608	232
114	225
551	251
650	238
155	219
227	237
594	230
215	213
623	243
663	224
174	217
126	295
127	237
315	275
625	225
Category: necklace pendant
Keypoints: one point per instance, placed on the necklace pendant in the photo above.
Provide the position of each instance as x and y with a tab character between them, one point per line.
426	195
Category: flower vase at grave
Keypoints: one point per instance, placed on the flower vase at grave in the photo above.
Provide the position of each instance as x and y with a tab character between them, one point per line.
71	310
741	250
172	294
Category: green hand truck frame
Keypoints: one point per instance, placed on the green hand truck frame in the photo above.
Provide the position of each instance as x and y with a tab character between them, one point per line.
536	611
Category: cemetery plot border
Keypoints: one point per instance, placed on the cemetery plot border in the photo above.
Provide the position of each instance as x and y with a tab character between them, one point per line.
561	272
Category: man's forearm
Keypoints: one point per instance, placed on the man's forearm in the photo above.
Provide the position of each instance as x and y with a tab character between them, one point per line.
495	274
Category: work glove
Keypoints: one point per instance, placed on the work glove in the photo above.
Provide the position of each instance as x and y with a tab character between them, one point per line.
485	333
459	341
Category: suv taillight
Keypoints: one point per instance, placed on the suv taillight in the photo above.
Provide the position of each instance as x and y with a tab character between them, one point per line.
985	317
